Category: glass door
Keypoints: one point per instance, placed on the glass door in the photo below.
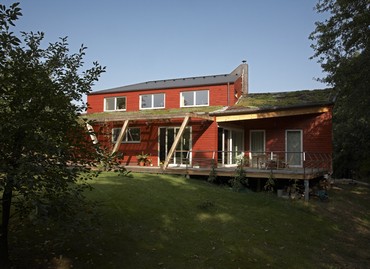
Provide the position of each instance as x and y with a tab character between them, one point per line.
182	154
257	147
230	146
294	148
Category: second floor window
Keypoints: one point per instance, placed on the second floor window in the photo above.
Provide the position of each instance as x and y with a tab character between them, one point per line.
114	103
148	101
195	98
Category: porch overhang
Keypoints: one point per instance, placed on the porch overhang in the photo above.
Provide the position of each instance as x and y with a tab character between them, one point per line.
228	116
138	116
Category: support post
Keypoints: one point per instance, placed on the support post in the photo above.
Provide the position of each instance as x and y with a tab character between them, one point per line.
92	134
120	137
306	190
176	141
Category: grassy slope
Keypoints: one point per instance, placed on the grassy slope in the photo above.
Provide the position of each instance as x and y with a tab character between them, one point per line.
162	221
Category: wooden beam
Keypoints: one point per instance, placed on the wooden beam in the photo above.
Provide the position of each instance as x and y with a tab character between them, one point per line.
176	141
104	117
120	137
273	114
92	134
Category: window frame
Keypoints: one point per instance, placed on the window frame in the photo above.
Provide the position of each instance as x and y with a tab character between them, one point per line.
182	99
152	101
125	138
115	103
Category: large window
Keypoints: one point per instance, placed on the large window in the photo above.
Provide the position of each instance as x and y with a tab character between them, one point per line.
132	135
230	146
294	147
114	103
148	101
257	147
257	142
194	98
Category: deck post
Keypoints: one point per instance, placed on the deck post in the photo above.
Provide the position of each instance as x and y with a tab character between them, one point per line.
306	190
258	184
120	137
176	141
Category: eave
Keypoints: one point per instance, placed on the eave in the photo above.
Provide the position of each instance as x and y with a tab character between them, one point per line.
251	114
148	115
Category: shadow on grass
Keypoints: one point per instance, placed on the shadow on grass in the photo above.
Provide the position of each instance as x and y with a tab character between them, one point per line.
167	221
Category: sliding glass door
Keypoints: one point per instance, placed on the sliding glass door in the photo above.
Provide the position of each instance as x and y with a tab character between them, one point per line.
182	155
230	146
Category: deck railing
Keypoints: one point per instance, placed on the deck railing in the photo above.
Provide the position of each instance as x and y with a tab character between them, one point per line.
258	160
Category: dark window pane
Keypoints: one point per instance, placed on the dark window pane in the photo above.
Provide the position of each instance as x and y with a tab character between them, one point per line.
121	103
132	135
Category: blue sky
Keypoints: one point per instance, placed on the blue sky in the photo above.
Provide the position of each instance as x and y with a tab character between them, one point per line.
143	40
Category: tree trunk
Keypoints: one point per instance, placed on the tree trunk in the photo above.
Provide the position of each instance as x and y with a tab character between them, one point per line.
4	247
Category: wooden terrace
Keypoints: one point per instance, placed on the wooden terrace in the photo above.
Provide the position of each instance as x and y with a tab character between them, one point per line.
263	165
297	173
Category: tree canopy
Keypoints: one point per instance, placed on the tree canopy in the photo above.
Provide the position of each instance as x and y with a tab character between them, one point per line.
342	47
44	150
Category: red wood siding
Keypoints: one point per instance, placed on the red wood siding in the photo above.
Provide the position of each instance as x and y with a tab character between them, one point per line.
317	131
204	143
204	138
219	95
316	128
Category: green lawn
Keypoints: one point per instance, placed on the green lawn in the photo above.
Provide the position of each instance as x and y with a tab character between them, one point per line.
164	221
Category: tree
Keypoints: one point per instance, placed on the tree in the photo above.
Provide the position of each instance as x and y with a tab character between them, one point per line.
342	44
44	150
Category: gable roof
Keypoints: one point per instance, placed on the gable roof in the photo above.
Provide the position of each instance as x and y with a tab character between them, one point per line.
179	82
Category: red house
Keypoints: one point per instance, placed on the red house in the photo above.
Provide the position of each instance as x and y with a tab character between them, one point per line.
187	124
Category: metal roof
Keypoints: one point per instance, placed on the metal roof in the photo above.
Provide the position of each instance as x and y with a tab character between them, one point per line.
179	82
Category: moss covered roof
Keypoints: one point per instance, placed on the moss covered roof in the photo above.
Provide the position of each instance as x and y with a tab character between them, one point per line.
284	99
151	113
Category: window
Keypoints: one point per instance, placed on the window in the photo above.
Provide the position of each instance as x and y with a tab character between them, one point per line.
230	145
294	147
132	135
148	101
257	147
194	98
114	103
257	141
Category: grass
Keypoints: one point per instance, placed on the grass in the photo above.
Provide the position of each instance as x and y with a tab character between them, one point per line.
164	221
266	100
150	112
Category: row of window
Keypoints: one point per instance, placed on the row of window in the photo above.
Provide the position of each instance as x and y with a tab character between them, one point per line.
157	101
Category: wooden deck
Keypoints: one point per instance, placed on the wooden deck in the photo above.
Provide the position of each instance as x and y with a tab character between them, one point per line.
289	173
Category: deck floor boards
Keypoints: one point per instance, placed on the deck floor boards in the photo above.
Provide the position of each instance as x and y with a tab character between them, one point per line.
289	173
